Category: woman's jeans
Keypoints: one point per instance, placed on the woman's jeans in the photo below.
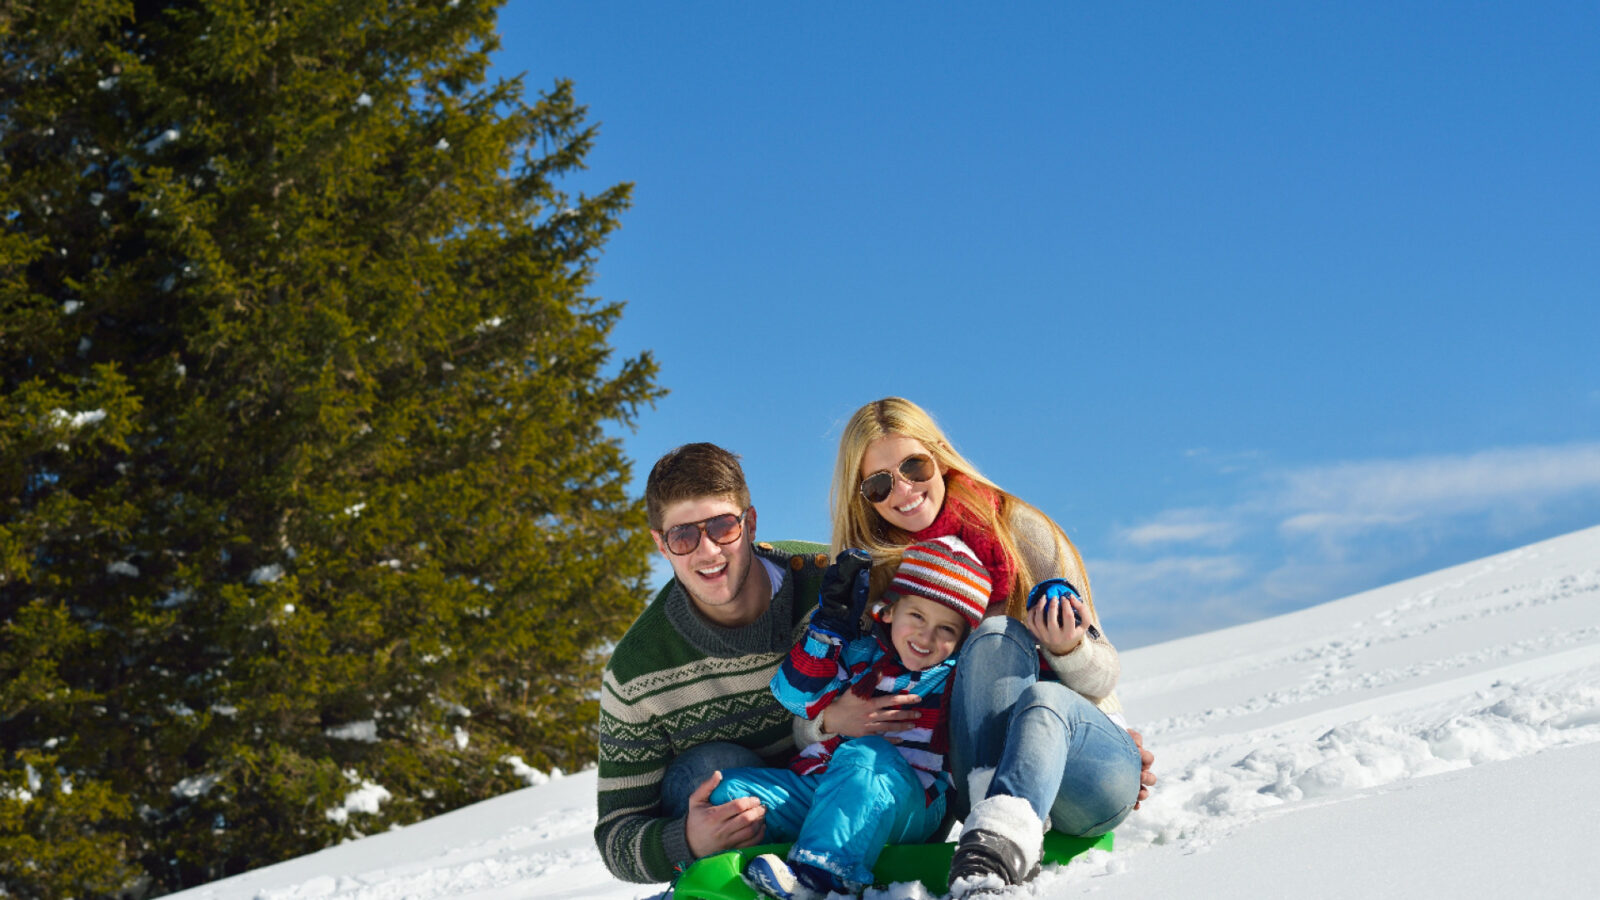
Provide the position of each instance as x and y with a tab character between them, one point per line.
1046	743
841	819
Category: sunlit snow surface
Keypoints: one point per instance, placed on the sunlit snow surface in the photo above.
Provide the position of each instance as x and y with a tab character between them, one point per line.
1439	737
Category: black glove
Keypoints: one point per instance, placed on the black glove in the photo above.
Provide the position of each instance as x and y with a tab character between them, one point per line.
844	596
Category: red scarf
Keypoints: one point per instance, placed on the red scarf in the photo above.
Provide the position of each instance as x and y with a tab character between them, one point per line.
955	519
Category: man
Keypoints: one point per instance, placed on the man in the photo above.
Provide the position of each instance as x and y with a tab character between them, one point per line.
686	694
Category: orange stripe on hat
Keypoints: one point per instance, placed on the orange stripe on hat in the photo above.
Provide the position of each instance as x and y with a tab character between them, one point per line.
946	571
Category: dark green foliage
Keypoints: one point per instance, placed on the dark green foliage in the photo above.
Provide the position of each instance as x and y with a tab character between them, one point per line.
304	431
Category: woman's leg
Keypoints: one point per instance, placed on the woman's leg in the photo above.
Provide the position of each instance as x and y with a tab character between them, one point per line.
1072	764
998	662
689	769
870	796
1062	763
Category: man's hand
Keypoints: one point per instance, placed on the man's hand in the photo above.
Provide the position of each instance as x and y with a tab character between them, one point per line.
854	716
1147	761
741	822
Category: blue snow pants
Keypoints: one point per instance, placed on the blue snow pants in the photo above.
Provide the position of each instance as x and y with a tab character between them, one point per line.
841	819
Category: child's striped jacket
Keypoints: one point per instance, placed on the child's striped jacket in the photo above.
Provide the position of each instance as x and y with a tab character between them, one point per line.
819	668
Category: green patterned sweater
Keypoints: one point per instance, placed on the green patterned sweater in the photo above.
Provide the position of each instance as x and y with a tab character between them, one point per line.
675	682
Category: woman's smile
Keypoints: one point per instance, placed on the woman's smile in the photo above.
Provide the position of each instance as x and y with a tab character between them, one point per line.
911	505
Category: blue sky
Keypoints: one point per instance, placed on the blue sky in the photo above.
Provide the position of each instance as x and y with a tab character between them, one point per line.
1266	304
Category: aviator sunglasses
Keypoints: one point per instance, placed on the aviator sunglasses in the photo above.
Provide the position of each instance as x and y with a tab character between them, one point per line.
723	529
880	484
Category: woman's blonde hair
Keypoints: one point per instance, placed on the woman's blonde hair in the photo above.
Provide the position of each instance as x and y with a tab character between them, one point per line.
857	524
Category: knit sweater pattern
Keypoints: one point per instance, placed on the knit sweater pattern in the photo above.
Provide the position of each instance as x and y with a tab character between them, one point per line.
676	681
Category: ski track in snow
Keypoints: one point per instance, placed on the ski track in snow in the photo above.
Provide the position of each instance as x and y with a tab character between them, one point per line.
517	856
1455	710
1333	663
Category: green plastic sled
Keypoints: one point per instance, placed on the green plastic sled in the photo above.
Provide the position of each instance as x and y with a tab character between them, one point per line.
717	877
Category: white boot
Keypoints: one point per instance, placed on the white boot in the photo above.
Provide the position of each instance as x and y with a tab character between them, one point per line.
1000	844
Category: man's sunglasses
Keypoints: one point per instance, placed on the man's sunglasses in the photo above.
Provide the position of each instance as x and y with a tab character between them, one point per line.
880	484
723	529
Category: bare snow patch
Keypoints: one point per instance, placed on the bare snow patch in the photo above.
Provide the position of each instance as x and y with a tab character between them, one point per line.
365	731
161	140
366	798
195	786
531	776
266	574
60	417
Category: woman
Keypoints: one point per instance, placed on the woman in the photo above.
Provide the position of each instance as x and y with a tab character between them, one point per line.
1034	746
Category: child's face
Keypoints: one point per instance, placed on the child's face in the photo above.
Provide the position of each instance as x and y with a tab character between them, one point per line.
923	632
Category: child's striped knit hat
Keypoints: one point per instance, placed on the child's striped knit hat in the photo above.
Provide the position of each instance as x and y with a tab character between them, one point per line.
944	570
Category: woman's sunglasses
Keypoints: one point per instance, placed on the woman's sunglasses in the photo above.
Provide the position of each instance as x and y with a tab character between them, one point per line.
880	484
723	529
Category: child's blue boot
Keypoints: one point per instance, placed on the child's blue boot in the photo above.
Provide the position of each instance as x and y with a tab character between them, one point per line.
773	876
770	876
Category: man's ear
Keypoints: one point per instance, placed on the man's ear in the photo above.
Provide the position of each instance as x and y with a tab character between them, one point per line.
750	524
661	543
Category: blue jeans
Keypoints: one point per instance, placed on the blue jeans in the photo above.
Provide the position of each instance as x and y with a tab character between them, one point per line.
1046	743
841	820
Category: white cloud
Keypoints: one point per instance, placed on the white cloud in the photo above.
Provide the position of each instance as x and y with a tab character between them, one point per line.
1326	522
1396	491
1299	536
1226	462
1212	569
1350	498
1182	526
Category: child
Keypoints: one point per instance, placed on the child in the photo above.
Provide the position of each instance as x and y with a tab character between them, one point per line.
843	799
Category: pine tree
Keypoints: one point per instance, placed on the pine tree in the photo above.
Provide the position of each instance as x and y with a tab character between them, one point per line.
312	492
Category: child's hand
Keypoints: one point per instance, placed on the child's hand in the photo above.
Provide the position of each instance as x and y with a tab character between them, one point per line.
843	596
1058	622
854	716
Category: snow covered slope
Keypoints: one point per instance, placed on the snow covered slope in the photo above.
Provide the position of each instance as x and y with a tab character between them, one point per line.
1439	737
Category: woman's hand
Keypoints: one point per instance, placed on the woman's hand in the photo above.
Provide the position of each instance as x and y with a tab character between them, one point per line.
854	716
1147	762
1054	625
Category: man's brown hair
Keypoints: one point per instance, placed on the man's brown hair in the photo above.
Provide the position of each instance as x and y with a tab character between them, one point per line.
692	472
